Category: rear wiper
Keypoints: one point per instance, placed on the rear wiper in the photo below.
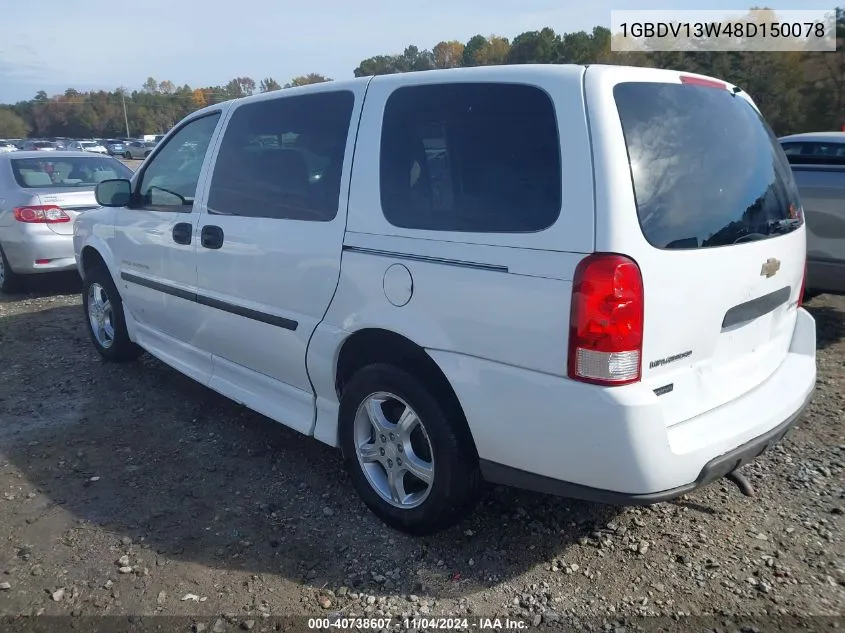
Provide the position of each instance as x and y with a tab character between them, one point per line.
750	237
783	226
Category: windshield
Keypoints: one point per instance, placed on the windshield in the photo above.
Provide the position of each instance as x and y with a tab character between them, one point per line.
81	171
707	170
88	144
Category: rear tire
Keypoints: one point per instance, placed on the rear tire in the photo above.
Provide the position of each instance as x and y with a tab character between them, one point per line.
10	281
442	451
104	315
127	156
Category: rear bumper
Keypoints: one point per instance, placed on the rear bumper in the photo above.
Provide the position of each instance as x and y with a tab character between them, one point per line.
613	445
24	247
715	469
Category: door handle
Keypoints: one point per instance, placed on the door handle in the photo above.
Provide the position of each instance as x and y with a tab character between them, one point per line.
182	232
211	237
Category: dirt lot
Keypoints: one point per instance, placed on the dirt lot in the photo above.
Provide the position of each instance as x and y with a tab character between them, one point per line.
131	490
131	163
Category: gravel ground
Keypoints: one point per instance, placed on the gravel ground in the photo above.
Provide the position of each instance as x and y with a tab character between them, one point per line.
131	163
131	490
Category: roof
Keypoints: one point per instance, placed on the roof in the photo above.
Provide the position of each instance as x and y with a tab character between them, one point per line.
815	137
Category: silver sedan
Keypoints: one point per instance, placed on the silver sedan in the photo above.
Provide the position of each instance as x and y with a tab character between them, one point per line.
138	150
40	197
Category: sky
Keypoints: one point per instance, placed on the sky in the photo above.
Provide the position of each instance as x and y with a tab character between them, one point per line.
98	44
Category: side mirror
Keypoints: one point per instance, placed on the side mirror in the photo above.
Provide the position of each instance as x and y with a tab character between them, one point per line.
113	193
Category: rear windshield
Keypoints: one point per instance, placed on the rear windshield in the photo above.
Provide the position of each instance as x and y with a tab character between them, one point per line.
81	171
707	170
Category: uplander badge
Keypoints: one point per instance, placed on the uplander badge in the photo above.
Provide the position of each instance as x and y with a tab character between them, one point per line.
669	359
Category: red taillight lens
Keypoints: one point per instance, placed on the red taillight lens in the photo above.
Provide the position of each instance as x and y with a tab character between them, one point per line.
803	287
606	321
701	81
43	214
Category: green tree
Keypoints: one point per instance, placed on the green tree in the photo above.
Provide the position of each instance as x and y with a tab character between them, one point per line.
448	54
475	44
305	80
269	85
413	59
536	47
240	87
12	125
378	65
495	51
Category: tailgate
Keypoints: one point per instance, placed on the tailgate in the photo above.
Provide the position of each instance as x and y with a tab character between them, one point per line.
710	212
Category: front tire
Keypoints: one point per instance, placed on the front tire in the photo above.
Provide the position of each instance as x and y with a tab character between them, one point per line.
104	315
410	457
127	156
10	281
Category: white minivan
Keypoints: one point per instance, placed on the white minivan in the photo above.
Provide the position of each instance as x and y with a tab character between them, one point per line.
582	280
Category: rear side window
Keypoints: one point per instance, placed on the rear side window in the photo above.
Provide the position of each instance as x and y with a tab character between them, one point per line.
707	170
474	157
283	158
815	153
70	171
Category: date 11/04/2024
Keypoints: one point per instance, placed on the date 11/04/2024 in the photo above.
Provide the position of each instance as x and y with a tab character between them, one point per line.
707	30
417	623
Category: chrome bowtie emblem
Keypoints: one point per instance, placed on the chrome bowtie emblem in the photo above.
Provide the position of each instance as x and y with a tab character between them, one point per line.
770	267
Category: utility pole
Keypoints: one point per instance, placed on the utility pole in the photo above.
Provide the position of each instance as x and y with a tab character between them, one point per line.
125	117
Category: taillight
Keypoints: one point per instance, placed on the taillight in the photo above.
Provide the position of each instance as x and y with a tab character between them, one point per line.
803	287
701	81
43	214
606	321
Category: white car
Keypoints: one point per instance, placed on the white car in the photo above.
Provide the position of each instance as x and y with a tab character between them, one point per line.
87	146
580	280
6	147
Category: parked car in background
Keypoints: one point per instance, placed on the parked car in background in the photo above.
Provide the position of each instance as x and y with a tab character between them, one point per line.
818	163
115	147
39	146
623	271
86	146
138	150
40	197
7	146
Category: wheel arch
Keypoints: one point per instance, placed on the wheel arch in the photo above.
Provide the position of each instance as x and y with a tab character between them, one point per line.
95	252
379	345
89	257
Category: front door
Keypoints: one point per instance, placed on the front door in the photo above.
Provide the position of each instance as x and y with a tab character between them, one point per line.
269	245
154	239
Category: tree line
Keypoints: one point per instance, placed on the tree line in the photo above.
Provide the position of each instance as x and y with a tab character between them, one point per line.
796	91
